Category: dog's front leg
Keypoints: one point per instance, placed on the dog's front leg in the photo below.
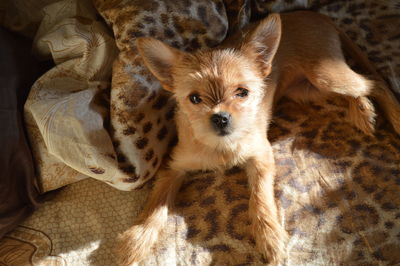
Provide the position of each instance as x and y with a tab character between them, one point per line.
270	236
137	242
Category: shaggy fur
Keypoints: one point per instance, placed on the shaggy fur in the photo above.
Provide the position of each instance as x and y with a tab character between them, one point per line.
300	57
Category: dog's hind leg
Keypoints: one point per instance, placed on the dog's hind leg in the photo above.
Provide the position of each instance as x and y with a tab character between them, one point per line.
333	75
381	92
137	242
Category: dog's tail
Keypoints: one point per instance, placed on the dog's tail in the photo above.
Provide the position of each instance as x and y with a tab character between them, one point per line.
137	242
381	92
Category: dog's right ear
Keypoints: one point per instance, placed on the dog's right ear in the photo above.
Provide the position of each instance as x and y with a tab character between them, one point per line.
263	42
160	58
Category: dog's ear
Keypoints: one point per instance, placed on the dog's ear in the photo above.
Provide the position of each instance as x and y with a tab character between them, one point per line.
263	42
160	58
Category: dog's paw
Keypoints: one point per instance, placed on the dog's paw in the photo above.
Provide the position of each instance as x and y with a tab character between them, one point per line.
271	240
362	114
135	244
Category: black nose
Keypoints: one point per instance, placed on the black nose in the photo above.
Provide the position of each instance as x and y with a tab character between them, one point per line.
221	120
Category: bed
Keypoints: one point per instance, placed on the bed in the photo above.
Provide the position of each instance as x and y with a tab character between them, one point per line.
99	126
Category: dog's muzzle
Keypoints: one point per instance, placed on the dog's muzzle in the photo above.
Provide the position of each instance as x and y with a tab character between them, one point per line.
221	122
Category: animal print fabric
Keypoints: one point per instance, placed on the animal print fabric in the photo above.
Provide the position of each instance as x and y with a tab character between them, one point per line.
338	189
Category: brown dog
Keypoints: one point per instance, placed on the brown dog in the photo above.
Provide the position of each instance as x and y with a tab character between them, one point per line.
225	97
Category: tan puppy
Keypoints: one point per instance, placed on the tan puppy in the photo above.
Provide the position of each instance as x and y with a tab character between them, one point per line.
225	98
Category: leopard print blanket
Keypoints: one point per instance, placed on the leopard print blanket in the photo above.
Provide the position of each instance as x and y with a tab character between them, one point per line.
337	189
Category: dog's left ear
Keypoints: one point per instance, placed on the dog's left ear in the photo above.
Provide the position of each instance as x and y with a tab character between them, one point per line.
263	42
160	58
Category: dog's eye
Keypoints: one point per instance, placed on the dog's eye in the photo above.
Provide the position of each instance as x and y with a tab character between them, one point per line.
242	92
195	98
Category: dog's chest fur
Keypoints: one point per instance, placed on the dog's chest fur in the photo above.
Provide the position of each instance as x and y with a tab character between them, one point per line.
196	156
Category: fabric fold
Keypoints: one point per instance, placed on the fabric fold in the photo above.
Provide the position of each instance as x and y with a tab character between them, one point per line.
67	110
